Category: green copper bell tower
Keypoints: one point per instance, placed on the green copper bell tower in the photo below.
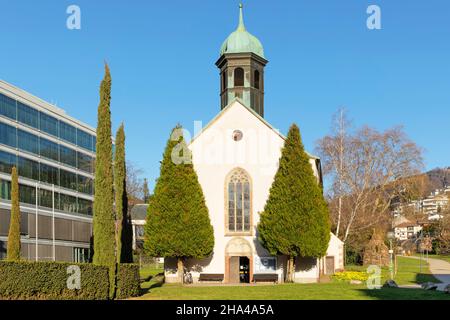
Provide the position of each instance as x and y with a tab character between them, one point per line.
241	65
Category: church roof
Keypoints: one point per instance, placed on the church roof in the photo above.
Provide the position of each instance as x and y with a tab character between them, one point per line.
241	41
139	212
252	112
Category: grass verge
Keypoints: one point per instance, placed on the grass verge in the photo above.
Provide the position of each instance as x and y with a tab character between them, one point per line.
408	273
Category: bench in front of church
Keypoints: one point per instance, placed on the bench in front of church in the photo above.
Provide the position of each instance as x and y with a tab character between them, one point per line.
265	277
211	277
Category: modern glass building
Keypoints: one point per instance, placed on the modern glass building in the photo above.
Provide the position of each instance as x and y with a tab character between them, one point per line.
55	155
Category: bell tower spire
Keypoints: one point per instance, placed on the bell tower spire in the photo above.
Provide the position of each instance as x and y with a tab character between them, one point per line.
241	26
241	65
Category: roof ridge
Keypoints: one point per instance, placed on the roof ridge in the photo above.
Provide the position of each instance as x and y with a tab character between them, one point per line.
236	99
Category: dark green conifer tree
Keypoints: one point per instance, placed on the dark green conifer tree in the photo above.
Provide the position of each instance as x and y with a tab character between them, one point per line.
13	249
295	220
123	221
119	184
104	217
178	224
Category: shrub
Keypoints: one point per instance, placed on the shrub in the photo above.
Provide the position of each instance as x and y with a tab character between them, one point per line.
353	256
48	280
351	275
128	281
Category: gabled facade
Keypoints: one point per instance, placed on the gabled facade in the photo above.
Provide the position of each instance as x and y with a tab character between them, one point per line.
236	157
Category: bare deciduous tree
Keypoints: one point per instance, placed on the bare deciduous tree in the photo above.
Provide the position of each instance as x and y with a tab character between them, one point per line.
134	182
334	160
444	232
367	171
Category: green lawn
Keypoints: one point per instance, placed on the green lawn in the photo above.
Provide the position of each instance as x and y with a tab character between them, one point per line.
147	272
408	269
325	291
408	272
435	256
151	277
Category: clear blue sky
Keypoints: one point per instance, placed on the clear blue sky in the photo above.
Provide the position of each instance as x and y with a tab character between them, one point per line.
162	56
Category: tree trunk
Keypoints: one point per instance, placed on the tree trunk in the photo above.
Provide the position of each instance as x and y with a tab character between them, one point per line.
290	269
338	227
342	127
180	269
347	229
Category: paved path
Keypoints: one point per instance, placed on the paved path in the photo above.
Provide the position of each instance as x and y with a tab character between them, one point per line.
440	270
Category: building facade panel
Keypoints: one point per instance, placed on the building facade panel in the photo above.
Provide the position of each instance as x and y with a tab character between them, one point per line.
55	156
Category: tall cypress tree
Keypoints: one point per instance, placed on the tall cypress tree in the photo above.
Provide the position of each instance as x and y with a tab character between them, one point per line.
178	223
295	220
123	222
104	220
13	253
126	255
119	179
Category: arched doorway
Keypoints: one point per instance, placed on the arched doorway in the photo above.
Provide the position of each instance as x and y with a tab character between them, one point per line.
238	261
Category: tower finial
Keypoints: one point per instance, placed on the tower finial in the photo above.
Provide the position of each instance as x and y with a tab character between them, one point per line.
241	26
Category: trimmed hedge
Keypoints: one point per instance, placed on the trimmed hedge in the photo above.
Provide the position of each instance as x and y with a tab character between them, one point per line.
128	281
48	280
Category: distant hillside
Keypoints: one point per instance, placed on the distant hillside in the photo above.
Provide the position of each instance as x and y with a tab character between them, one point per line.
439	178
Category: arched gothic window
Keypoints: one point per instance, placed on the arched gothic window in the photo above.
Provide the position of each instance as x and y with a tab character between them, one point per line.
238	77
238	201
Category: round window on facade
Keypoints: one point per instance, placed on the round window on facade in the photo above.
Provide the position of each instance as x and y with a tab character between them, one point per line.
237	135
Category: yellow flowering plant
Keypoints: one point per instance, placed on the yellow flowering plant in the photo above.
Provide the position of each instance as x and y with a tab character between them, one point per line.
351	275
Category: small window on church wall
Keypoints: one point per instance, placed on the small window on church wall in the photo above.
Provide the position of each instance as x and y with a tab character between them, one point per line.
237	135
256	79
238	77
239	202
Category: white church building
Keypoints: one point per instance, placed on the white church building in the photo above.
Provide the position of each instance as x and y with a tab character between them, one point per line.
236	157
